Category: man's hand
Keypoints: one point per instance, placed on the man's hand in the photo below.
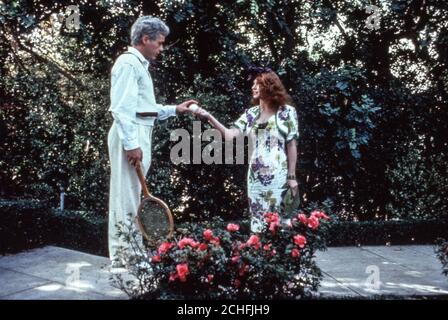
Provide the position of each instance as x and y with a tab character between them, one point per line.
134	156
183	107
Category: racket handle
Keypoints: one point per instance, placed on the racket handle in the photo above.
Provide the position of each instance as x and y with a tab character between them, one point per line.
141	177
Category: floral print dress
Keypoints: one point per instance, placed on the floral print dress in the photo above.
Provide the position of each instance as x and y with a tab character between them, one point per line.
268	164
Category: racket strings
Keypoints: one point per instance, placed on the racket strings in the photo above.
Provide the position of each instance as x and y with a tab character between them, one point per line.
154	219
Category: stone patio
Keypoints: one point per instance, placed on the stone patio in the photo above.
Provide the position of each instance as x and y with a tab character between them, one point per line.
353	272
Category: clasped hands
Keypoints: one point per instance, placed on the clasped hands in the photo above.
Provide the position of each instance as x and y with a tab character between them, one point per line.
186	106
135	156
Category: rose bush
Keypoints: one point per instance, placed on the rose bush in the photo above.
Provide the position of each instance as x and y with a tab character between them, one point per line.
217	260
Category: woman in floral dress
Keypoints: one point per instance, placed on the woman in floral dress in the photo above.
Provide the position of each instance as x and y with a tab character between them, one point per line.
272	127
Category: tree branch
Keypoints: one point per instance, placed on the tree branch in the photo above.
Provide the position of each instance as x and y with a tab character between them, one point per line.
53	64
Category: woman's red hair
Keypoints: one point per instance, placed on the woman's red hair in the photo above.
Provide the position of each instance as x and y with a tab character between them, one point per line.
272	91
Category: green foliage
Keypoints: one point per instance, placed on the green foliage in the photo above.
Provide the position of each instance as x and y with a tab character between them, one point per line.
27	224
442	254
417	179
56	137
79	230
197	182
380	233
23	225
372	105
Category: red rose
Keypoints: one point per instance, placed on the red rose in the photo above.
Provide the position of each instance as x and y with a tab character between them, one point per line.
216	241
237	283
210	277
313	222
300	240
295	253
187	241
173	277
182	271
203	246
155	258
320	215
164	247
208	234
254	241
243	270
271	217
273	226
235	259
232	227
302	218
267	247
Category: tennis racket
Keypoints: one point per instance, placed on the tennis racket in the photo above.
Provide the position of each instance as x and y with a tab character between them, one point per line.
154	218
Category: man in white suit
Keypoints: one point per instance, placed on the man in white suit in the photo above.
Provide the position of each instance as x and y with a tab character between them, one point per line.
134	109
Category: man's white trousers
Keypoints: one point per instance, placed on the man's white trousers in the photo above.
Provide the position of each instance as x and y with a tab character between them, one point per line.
125	188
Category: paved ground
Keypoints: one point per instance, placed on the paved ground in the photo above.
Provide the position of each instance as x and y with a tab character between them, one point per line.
381	270
57	273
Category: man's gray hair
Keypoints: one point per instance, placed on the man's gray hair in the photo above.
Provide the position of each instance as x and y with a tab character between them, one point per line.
148	26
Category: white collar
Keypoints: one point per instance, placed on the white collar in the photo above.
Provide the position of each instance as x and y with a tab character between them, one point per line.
139	55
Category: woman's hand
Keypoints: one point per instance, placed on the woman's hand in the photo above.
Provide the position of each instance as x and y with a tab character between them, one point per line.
202	114
292	183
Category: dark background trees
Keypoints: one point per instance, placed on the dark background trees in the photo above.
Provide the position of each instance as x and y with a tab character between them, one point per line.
372	104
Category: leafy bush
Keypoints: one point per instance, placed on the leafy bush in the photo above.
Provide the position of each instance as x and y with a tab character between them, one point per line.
416	186
27	224
218	261
56	139
442	254
79	230
23	225
54	86
392	232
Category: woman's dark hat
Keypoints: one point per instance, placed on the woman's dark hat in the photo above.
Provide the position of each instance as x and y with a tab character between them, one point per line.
254	71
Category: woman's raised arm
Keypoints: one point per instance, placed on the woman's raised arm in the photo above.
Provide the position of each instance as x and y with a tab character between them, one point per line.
228	133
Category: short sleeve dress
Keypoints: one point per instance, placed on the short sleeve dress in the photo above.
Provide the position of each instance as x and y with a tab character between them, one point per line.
268	164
